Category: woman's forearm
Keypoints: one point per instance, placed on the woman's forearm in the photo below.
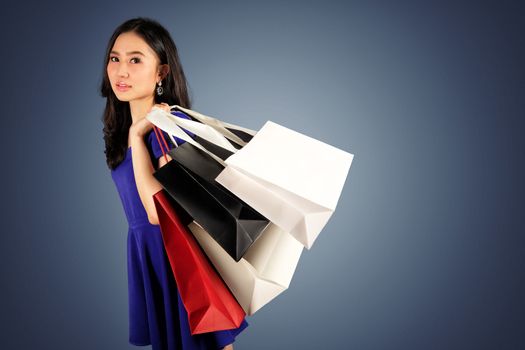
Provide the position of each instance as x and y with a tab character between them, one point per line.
143	170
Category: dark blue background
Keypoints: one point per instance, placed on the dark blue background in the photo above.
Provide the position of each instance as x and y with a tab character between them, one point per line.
426	247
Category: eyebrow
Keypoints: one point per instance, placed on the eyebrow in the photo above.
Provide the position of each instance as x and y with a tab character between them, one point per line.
129	53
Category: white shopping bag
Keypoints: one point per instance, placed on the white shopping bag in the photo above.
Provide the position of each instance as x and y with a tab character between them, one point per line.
264	272
292	179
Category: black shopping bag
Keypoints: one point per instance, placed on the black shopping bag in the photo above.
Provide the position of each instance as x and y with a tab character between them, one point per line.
190	180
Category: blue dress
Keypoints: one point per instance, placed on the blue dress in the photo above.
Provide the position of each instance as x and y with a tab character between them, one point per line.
156	313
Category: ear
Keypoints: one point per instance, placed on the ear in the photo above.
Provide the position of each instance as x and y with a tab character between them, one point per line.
164	69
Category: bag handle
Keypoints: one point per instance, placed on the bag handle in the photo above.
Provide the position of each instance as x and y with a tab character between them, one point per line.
157	132
220	126
172	129
168	121
205	131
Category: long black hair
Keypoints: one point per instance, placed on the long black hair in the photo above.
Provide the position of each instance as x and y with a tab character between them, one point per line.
117	115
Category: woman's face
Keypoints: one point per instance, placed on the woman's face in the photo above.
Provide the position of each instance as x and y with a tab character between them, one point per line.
133	68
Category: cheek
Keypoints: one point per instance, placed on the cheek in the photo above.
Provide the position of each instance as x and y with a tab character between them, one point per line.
147	75
110	69
148	79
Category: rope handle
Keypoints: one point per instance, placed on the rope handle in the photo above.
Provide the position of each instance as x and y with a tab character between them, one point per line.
157	132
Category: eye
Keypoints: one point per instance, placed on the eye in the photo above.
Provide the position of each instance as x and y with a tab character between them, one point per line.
136	58
113	57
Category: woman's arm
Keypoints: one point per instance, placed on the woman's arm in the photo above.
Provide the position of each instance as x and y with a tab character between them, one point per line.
143	170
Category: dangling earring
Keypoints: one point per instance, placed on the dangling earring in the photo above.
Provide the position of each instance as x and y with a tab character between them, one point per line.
160	90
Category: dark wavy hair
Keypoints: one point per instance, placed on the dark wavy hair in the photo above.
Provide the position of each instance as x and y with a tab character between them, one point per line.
117	115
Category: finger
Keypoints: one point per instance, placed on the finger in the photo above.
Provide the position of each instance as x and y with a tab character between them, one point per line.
165	106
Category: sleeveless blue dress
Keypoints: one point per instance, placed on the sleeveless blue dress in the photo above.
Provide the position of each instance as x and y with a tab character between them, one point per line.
156	313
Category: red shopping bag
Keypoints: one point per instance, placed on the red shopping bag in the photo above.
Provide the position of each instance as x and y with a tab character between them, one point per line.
208	302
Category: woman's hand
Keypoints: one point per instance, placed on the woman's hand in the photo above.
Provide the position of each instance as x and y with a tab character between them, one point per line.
143	126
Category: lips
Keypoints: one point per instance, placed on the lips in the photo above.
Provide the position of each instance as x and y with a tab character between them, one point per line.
122	86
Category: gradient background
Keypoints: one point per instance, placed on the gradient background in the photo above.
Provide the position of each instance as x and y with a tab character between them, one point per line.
426	247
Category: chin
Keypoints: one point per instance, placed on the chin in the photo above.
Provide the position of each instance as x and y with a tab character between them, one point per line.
123	98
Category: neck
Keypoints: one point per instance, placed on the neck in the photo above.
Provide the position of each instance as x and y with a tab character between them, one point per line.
140	108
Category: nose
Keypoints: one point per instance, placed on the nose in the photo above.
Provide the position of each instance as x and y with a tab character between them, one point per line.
122	70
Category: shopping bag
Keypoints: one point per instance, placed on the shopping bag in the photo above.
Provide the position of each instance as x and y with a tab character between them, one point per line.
190	180
209	303
290	178
264	272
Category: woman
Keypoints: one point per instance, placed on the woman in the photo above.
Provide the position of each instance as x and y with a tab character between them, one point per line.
142	70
